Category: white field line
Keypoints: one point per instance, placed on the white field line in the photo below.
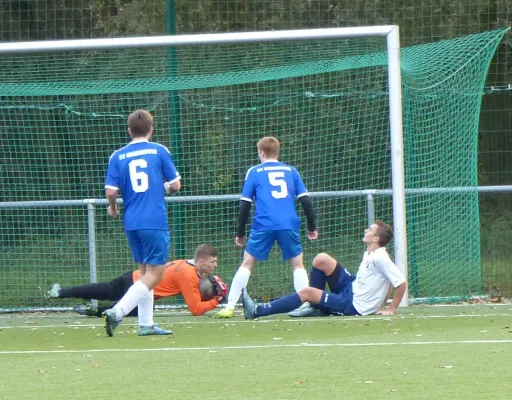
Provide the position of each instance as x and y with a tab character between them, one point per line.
163	312
78	324
251	347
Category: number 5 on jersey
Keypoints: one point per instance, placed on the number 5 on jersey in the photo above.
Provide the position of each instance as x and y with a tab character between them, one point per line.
276	179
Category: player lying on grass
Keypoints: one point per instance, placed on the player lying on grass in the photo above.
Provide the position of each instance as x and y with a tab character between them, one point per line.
362	294
180	277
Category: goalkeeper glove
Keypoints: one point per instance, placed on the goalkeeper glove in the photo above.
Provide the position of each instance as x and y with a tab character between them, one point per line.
222	289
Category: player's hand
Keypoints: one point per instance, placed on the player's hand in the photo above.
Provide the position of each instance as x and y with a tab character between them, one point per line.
113	211
168	188
385	312
312	235
222	289
240	241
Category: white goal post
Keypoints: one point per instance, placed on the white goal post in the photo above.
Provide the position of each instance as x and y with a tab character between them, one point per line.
390	32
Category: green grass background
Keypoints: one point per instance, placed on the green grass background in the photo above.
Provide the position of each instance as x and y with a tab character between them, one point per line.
333	357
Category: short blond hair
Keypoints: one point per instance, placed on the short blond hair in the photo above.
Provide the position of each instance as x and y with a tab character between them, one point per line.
140	123
270	146
204	250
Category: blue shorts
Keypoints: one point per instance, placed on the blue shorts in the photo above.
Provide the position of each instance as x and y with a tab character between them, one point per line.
344	280
339	299
338	303
149	246
260	243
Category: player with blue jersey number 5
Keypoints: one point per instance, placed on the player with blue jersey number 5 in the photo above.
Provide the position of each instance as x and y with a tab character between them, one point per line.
274	187
141	171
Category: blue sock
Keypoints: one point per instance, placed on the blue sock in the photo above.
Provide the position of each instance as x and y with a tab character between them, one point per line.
317	279
279	306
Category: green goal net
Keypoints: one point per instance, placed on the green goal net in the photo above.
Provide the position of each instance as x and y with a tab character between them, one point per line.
63	113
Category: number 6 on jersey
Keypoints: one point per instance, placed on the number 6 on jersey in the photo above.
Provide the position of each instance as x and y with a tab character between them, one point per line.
139	179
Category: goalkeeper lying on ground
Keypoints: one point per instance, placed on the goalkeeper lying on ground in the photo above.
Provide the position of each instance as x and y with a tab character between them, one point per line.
180	277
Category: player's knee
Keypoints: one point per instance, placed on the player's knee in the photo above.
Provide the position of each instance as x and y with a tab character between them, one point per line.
307	294
249	261
323	261
153	276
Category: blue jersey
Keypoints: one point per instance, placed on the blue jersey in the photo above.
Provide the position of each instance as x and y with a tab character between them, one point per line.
138	170
273	186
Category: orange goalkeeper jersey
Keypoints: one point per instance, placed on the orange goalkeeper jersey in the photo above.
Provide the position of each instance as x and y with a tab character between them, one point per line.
181	277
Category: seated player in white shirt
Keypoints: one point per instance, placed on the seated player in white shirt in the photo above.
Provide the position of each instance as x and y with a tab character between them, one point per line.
361	294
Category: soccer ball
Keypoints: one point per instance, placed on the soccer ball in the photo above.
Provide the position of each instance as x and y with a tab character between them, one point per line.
207	289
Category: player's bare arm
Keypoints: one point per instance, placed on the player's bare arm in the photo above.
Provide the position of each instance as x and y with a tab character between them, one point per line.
240	241
111	195
173	187
385	302
397	298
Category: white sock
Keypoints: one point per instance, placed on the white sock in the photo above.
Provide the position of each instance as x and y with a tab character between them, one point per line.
300	279
146	310
130	300
239	282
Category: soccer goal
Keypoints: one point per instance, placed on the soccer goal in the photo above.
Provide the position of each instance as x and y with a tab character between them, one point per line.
333	97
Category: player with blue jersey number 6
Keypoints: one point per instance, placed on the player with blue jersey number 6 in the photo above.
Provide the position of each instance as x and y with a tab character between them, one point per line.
274	187
138	171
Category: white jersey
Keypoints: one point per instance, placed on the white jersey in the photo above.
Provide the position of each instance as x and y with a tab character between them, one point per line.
375	273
